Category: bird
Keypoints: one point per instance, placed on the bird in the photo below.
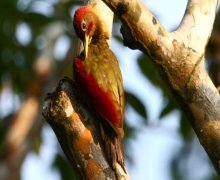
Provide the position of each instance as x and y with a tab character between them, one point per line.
97	74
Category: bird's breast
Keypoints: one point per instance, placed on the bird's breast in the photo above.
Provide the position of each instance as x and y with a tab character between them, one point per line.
102	100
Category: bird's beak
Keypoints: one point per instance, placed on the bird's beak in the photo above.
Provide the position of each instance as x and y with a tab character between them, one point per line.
86	44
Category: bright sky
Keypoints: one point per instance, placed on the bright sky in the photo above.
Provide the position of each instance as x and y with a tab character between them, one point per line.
153	146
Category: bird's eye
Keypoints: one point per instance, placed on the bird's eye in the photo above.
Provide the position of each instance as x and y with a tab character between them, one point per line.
83	25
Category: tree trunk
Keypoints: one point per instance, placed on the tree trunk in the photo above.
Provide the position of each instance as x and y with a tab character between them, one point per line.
180	57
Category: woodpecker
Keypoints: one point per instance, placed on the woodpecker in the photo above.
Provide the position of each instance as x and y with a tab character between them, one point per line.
98	76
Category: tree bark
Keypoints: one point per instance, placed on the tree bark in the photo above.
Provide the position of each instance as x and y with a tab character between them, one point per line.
180	57
76	128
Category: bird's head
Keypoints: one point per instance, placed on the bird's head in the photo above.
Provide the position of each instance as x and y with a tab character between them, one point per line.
87	25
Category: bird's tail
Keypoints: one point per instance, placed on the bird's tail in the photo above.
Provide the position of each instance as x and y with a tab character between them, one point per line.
113	146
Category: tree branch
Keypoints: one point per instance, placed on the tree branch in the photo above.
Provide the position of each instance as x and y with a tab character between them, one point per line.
180	57
191	30
77	131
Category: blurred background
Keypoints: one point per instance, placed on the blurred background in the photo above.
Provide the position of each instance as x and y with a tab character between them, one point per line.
37	46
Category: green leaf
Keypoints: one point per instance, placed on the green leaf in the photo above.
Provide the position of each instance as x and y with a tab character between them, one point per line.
118	38
171	105
129	131
136	104
35	19
64	167
185	128
149	70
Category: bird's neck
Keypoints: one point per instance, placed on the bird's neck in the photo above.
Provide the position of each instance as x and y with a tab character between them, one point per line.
100	34
98	45
97	39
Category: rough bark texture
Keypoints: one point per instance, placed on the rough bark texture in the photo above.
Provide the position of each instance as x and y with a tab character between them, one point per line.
75	126
180	57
